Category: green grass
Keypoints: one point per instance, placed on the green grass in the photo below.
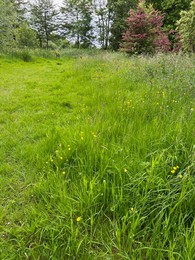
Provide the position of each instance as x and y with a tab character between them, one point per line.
88	142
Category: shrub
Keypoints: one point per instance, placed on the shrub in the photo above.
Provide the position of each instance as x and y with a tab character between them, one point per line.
144	31
26	56
26	37
52	45
21	54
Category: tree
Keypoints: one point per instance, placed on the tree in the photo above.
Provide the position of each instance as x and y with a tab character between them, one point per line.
20	7
102	14
43	14
7	21
186	27
119	10
171	9
25	37
77	21
110	16
144	31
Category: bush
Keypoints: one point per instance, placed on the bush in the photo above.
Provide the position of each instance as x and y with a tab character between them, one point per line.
64	44
52	46
26	56
26	37
20	54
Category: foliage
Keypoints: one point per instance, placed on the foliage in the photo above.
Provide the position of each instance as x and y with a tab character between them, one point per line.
43	14
25	37
20	7
7	21
119	13
77	19
186	27
144	31
171	9
63	44
24	55
84	23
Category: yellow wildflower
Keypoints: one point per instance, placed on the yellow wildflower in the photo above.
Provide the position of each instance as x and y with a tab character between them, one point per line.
78	219
175	168
94	135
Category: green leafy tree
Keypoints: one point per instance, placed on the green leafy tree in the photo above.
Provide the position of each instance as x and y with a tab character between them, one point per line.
171	9
77	22
186	27
43	20
7	21
119	10
26	37
20	7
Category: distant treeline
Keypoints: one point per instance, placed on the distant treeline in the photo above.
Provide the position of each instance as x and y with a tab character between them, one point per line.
91	23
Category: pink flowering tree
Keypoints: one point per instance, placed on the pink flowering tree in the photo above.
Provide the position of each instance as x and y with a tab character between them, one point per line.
144	31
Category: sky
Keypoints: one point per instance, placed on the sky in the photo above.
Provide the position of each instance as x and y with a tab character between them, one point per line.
58	2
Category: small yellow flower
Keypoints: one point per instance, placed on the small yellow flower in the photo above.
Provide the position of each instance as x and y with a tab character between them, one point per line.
78	219
125	170
63	173
94	135
180	176
82	137
175	168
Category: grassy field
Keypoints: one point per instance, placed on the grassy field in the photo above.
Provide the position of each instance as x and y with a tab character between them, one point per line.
97	157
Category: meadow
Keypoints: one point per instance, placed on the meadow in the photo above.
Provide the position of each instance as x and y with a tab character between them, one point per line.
97	156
